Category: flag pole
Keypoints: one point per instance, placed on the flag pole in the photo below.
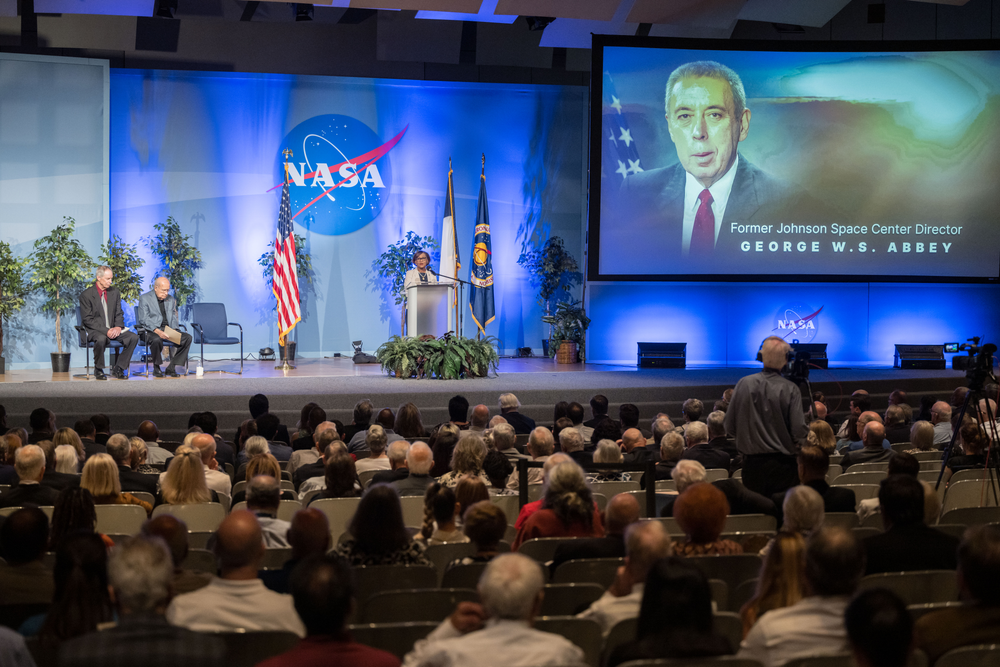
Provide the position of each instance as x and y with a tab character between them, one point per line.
285	366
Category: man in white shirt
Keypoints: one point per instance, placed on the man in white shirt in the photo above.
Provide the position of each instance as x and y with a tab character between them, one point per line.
237	599
541	445
377	441
263	499
941	418
645	543
217	480
835	563
304	457
498	632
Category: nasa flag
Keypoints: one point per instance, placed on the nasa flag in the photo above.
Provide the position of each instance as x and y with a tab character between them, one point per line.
481	299
286	279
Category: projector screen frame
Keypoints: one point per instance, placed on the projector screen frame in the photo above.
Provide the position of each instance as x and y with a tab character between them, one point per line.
600	42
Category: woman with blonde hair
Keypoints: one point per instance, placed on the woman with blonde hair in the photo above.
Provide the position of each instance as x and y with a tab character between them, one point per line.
262	464
782	579
137	461
466	460
67	436
823	434
184	481
66	459
608	451
100	477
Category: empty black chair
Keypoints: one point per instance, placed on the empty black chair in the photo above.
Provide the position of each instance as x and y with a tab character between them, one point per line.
210	325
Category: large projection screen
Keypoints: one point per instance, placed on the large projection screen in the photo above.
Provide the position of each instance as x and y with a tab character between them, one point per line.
848	165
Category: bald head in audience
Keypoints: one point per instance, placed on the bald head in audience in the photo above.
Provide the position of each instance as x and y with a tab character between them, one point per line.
622	511
148	431
239	546
480	418
309	533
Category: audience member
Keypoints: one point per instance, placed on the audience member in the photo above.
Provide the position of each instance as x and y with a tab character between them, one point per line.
236	598
140	572
304	457
698	448
504	440
509	406
479	419
977	620
43	426
622	511
55	478
315	466
377	534
151	436
671	450
497	632
84	428
440	508
443	445
567	508
263	499
574	412
921	437
340	480
466	460
598	410
541	445
102	428
174	534
458	412
685	474
468	491
138	459
628	417
29	463
184	481
823	433
907	543
782	578
120	450
857	440
408	422
896	427
364	410
813	626
377	441
607	429
485	524
81	601
498	469
879	629
572	443
873	451
701	512
633	444
814	464
675	617
900	464
974	441
608	452
396	453
261	464
941	419
645	544
100	477
322	588
24	577
419	461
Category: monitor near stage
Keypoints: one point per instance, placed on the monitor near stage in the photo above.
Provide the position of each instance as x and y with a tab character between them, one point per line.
832	165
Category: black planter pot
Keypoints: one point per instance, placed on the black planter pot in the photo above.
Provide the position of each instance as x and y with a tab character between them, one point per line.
60	362
290	347
545	347
3	366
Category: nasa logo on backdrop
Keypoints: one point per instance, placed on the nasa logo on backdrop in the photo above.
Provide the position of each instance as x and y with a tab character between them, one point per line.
339	175
797	321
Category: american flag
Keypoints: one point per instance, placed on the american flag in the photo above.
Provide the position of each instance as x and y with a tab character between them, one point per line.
620	154
286	280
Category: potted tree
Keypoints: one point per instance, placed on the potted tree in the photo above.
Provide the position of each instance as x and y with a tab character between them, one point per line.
388	272
553	271
303	269
13	289
178	258
124	261
568	325
60	268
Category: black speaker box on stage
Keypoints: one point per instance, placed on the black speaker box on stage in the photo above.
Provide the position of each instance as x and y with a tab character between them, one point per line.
919	356
662	355
817	353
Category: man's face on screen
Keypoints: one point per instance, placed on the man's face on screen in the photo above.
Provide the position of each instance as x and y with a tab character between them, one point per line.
704	127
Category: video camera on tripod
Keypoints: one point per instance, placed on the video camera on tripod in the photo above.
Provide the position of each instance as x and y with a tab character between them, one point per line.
978	365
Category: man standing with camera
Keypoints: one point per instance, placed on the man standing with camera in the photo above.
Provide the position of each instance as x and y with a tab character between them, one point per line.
765	417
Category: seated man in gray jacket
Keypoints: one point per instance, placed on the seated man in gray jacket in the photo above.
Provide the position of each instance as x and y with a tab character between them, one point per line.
156	311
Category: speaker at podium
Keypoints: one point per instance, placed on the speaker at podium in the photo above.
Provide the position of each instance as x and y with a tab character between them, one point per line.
428	309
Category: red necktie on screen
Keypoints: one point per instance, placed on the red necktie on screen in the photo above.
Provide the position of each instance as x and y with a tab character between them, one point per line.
703	233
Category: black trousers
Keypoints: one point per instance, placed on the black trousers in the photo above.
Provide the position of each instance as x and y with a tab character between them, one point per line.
768	474
101	341
155	344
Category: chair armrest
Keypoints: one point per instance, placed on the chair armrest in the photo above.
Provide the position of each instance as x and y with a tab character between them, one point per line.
235	324
183	328
79	327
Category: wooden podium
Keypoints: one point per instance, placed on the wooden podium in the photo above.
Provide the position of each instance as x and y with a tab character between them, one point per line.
428	309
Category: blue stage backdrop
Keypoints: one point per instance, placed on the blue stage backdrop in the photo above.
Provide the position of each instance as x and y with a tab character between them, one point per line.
370	163
53	163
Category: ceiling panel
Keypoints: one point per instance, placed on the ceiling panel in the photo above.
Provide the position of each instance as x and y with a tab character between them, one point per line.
104	7
589	10
691	31
463	6
485	15
815	13
703	13
956	3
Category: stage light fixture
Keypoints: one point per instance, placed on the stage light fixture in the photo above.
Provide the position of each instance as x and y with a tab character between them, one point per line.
303	11
523	352
165	9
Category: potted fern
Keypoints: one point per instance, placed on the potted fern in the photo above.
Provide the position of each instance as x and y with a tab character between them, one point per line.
569	325
553	271
13	289
60	268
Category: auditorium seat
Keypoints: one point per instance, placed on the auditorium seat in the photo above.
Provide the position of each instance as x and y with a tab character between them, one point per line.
721	661
442	554
365	477
750	523
600	571
971	493
918	610
463	576
600	500
972	516
932	455
286	508
198	517
509	504
338	511
275	558
865	477
742	594
201	560
861	491
542	549
868	467
119	519
413	510
583	632
611	489
842	660
916	587
411	606
720	593
372	579
841	519
733	569
246	649
982	655
569	599
621	632
967	475
396	638
729	625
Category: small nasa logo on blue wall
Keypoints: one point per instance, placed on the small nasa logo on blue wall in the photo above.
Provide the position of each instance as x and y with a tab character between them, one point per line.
339	175
797	321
